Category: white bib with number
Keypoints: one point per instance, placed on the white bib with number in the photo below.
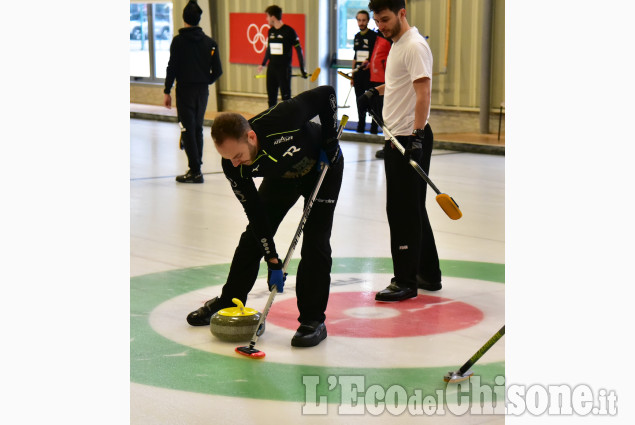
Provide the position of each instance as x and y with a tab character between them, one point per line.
362	55
275	48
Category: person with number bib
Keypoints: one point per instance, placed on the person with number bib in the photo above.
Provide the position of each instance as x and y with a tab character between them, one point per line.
363	45
281	39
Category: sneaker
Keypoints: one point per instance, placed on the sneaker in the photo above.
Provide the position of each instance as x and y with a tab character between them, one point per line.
309	334
428	286
379	154
190	178
203	315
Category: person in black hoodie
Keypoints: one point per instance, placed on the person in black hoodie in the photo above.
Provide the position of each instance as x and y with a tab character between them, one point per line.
195	64
286	149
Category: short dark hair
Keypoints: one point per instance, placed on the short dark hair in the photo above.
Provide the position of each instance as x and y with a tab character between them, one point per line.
274	11
365	12
229	125
395	6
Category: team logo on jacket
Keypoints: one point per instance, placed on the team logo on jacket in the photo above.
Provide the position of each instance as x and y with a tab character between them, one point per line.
283	139
291	151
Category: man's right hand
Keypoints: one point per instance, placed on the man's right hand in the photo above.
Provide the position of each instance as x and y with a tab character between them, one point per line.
167	101
414	149
331	152
260	67
275	276
365	100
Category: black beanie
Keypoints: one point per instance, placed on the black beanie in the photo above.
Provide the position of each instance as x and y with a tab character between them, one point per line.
192	13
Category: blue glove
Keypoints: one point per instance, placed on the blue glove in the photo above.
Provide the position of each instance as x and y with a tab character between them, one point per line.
323	158
275	276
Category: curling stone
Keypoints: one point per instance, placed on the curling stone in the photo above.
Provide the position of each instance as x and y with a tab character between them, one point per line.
236	323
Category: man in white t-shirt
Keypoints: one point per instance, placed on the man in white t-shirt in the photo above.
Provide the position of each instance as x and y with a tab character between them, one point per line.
406	110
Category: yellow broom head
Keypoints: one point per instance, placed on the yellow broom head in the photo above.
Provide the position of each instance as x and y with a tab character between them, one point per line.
448	205
348	77
315	74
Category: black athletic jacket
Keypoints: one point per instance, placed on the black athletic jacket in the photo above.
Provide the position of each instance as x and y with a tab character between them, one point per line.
364	42
289	39
194	58
289	147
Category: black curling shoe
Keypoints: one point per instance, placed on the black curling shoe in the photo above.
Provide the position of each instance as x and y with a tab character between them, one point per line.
394	292
190	177
203	315
309	334
428	286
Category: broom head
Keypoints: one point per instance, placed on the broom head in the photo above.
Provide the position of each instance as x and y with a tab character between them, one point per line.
448	205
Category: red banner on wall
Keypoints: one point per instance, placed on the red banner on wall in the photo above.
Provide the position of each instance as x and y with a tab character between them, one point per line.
248	36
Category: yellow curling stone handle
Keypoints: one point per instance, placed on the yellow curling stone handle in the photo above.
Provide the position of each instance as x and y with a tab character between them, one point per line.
239	310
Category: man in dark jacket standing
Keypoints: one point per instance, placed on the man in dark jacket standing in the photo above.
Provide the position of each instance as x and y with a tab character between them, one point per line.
195	64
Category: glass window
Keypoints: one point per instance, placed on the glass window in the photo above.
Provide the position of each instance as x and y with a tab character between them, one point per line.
139	54
162	37
150	44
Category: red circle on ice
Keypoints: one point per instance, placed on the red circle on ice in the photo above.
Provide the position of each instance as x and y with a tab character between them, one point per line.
357	314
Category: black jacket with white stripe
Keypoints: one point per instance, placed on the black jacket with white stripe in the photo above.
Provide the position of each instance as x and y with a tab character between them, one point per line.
288	147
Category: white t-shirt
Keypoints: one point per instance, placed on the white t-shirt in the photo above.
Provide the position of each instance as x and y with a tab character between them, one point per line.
409	59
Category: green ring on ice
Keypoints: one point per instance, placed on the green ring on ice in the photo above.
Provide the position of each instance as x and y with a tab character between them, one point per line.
152	359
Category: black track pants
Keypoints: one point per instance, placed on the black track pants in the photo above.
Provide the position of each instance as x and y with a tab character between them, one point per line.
191	102
278	77
411	239
362	83
314	271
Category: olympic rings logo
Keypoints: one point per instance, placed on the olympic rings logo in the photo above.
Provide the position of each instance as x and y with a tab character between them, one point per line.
259	37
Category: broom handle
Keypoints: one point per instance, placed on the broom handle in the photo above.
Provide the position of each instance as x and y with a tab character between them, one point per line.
482	351
309	204
401	149
287	258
